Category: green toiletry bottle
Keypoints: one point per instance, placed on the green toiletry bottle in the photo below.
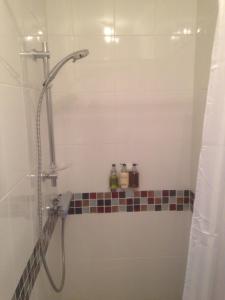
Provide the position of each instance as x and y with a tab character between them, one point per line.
113	179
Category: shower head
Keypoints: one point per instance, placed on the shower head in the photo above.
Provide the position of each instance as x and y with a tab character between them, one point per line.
73	56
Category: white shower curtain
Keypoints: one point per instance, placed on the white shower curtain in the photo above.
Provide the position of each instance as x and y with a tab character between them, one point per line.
205	274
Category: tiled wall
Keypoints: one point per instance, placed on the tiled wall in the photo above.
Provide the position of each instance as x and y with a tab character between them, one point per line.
138	255
206	22
130	100
22	26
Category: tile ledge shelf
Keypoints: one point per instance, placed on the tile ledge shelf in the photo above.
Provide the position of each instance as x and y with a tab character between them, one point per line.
132	201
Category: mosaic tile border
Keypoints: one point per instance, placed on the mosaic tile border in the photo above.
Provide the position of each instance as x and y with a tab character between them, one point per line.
30	273
132	201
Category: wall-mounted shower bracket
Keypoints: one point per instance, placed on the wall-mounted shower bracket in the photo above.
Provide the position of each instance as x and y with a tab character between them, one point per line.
35	54
50	175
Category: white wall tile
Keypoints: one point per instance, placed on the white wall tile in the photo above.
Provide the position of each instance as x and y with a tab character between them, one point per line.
6	253
86	159
95	77
10	68
175	17
92	17
7	22
117	256
134	17
174	68
100	49
134	48
133	76
84	119
207	16
59	16
28	16
14	152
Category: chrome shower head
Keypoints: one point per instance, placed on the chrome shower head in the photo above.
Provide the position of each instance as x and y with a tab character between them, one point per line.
73	56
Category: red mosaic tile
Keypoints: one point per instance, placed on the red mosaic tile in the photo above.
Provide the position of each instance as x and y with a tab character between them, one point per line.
137	194
186	200
108	209
100	209
130	201
115	194
137	208
173	207
122	194
144	194
144	207
150	200
100	195
115	208
93	209
85	203
157	200
123	201
93	196
151	194
107	195
165	193
78	203
180	200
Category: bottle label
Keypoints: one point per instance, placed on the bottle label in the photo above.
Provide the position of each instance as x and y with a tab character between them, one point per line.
113	182
134	179
124	180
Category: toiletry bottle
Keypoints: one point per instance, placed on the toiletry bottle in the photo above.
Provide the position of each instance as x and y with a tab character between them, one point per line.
124	177
134	177
113	179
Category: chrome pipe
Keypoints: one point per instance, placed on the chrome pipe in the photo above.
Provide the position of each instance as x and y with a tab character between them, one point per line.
48	97
35	54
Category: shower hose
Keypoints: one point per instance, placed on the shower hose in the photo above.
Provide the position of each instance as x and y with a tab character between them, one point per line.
40	204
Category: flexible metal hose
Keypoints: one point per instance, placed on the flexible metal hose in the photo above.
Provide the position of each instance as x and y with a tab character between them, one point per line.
40	204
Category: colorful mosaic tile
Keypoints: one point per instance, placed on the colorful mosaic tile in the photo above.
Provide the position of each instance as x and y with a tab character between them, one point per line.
132	201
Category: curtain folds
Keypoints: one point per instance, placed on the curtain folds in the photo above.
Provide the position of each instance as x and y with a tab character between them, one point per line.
205	274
